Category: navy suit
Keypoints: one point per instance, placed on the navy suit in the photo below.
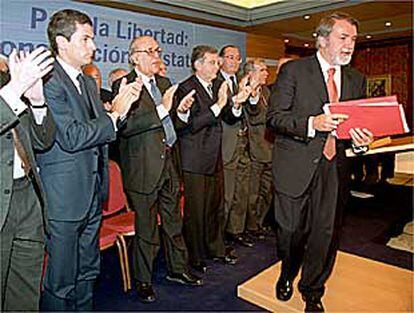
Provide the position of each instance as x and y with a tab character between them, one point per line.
74	172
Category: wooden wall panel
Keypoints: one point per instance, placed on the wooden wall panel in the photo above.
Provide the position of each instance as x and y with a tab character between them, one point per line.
265	47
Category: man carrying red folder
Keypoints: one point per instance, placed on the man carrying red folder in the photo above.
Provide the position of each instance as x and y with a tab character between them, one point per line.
309	166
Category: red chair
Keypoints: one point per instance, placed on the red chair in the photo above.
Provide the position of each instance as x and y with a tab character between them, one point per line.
108	238
117	216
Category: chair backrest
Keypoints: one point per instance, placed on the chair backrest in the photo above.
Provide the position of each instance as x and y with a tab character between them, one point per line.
116	197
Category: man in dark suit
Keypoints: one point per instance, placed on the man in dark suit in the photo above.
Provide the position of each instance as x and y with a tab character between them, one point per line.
200	135
74	170
149	168
309	166
260	147
235	151
24	126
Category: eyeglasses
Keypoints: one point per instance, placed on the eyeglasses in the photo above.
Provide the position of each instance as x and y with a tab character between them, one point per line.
218	62
150	52
233	58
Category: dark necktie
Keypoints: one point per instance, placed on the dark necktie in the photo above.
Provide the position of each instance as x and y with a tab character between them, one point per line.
167	124
85	94
21	152
329	150
210	90
234	86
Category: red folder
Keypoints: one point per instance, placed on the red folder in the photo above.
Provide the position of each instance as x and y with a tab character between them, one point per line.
383	116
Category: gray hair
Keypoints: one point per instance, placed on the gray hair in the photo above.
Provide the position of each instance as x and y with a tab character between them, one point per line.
326	24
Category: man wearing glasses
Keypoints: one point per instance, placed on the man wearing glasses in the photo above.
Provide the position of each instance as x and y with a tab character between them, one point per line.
235	152
149	162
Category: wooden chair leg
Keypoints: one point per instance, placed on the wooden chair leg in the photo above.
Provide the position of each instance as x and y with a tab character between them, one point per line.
126	262
121	253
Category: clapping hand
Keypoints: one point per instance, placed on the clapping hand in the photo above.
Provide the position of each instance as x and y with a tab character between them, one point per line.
26	70
167	98
222	95
244	92
128	94
186	102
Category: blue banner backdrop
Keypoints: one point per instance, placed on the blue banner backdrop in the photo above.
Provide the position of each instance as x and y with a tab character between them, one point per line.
23	25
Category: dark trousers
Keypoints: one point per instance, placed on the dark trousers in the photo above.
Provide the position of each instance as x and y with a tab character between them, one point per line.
22	250
260	194
73	262
236	190
164	200
203	215
307	230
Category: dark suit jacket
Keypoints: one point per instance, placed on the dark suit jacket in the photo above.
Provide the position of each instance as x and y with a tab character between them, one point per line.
78	159
260	137
200	139
300	92
32	136
229	130
142	140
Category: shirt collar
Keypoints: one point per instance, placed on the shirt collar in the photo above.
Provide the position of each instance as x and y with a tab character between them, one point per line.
203	82
227	76
325	66
145	79
69	69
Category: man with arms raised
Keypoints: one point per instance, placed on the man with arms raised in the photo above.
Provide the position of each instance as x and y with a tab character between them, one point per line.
74	170
149	163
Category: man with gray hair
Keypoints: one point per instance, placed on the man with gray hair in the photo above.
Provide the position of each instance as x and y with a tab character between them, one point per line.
260	147
309	164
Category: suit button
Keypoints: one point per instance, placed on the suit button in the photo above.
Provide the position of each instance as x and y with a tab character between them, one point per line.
163	140
162	156
316	161
9	136
6	191
10	162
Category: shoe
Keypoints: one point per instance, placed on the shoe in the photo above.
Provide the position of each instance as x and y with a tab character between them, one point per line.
241	239
185	279
145	292
284	289
313	304
199	266
229	258
258	234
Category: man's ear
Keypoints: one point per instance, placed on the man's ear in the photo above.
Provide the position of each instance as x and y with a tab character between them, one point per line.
197	64
323	41
61	43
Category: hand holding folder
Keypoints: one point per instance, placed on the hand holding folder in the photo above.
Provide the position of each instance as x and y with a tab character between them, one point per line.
383	116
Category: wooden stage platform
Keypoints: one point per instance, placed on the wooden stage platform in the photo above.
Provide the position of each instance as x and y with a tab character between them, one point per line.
356	285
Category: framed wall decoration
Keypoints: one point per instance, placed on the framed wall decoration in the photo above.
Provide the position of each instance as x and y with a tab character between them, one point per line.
379	85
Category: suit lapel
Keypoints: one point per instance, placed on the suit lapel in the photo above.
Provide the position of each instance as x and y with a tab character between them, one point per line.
72	89
317	80
346	92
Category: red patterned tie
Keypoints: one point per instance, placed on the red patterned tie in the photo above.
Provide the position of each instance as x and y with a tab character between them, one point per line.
329	150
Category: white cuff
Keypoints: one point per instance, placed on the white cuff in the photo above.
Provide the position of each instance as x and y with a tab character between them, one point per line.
13	100
184	116
237	112
311	130
39	114
216	109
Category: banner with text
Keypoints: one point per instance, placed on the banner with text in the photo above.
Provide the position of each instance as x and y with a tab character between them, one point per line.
23	25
